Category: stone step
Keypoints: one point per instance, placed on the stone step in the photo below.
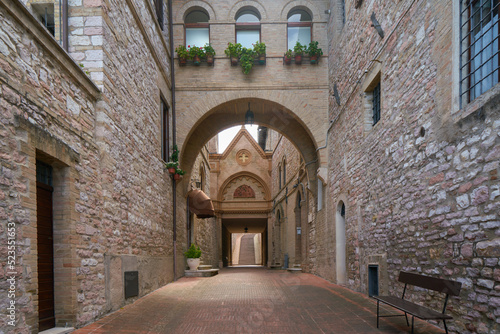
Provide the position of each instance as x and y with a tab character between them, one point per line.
204	267
201	273
294	270
58	330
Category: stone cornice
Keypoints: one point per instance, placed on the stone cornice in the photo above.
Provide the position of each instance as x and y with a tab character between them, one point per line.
23	16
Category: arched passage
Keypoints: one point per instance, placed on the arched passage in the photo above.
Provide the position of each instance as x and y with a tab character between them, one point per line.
267	113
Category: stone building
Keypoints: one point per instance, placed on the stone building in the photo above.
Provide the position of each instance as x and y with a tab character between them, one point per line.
383	156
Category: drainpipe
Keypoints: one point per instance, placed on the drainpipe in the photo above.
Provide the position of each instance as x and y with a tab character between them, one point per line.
172	79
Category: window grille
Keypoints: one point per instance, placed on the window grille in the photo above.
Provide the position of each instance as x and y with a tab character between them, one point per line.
479	55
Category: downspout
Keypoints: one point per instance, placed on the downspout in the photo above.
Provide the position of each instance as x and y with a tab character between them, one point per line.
172	79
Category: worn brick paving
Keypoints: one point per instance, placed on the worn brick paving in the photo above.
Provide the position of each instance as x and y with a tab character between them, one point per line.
252	300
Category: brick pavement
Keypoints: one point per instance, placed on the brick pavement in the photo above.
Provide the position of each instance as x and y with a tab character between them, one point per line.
252	300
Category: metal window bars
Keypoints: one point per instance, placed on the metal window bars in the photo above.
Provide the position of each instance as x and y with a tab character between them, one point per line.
479	41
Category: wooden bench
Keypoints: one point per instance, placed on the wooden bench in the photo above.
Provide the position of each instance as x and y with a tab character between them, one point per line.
437	284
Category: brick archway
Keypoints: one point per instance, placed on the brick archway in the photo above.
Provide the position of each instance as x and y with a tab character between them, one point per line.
303	127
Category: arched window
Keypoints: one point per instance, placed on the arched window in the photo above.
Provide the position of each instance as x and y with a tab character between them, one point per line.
279	176
284	172
197	28
299	27
247	27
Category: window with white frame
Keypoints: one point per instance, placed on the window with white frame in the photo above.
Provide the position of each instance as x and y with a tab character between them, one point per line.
479	53
197	28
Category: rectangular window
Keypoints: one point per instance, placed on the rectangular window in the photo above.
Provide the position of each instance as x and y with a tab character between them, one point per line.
298	34
376	104
479	53
165	131
198	36
158	4
53	15
247	36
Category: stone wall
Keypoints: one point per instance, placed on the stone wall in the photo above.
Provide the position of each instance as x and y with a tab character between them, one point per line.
421	186
112	196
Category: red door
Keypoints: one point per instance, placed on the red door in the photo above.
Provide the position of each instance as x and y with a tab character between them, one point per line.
45	244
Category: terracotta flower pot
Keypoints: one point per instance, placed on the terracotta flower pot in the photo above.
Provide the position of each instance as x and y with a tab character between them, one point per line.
177	176
234	61
314	59
288	60
171	170
182	61
210	59
196	60
298	59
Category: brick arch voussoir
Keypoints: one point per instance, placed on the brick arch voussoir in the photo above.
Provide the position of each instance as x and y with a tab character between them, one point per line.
247	3
181	13
301	3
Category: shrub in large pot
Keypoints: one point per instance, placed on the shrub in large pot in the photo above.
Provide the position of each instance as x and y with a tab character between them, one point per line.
193	255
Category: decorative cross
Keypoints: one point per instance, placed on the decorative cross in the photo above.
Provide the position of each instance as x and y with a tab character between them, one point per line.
243	157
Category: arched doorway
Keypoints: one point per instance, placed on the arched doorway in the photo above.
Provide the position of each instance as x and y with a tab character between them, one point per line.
340	241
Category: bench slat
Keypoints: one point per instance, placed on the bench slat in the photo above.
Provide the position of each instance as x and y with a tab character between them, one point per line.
431	283
411	308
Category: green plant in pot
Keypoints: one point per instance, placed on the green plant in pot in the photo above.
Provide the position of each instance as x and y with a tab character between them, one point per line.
171	166
314	52
233	51
260	50
193	255
298	51
288	57
178	173
196	54
183	54
210	53
246	60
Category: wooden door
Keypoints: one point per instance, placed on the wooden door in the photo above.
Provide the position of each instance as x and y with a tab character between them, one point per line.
46	318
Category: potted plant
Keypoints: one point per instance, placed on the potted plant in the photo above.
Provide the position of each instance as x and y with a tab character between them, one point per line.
196	54
233	51
260	50
288	57
246	60
183	54
210	53
171	166
298	51
314	52
193	255
178	173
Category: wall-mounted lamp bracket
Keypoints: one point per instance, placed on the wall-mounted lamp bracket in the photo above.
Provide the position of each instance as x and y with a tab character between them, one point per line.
336	94
377	25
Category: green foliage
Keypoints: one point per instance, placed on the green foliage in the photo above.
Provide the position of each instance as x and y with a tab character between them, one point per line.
259	48
171	164
246	60
289	53
175	154
299	49
179	171
233	50
209	50
193	252
182	52
196	51
314	50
